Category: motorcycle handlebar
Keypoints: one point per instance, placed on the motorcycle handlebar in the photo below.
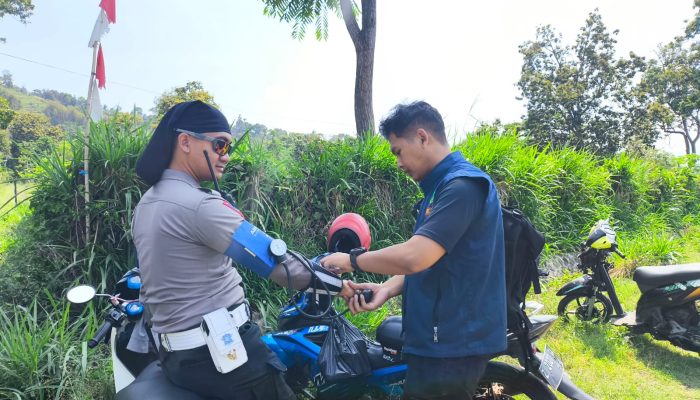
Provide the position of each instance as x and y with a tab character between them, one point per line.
101	333
620	254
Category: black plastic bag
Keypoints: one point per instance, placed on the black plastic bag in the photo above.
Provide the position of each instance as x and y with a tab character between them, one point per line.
344	352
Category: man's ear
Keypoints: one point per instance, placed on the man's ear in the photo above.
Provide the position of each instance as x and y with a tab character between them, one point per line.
183	142
422	135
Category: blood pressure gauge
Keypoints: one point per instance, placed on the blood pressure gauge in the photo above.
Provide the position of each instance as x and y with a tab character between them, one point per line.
278	247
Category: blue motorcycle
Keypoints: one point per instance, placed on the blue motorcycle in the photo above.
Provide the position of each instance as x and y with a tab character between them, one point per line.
298	341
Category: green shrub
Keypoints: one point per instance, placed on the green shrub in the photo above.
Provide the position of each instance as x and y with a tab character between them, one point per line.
294	185
42	355
49	248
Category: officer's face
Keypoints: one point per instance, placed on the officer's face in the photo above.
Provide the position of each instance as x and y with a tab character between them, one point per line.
410	152
218	162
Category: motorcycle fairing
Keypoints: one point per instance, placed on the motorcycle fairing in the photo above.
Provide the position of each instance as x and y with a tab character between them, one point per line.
665	296
695	293
300	342
580	285
602	236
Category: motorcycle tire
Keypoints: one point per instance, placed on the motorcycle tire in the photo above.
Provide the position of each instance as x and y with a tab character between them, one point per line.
503	381
599	316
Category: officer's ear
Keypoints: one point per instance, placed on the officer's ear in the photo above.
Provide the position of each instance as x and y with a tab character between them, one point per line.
183	142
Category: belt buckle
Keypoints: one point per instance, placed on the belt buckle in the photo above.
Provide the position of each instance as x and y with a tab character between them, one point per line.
165	342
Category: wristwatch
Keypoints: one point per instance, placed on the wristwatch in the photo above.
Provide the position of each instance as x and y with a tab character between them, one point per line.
353	257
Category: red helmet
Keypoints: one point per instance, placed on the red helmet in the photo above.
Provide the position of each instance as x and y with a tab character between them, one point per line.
349	231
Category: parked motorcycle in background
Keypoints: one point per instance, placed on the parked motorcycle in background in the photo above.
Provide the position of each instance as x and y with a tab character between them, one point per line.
584	297
668	309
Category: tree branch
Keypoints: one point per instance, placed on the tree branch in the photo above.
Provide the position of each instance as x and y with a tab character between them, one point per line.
351	23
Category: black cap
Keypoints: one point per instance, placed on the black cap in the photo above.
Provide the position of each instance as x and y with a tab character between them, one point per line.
195	116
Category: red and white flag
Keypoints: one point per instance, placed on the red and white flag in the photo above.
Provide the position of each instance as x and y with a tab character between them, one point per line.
110	8
101	27
95	104
107	15
100	69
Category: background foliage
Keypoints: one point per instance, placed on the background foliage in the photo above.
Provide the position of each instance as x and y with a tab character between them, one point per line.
294	185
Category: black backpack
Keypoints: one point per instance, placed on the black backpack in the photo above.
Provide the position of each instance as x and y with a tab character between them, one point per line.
523	245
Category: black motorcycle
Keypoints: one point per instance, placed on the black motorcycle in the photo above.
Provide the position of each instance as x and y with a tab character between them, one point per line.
668	307
584	297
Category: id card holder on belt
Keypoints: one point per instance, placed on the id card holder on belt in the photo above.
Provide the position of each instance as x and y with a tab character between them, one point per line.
224	341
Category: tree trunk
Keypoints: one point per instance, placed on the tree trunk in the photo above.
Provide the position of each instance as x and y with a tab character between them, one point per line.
689	144
364	40
364	112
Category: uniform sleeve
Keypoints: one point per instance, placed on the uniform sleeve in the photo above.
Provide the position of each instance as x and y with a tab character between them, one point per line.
454	209
217	220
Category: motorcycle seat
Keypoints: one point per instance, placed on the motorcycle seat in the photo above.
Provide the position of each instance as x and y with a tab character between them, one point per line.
152	384
390	333
648	278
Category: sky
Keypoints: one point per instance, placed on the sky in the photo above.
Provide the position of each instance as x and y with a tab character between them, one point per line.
460	56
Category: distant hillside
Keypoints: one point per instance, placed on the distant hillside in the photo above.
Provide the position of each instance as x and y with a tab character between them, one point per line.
69	112
68	116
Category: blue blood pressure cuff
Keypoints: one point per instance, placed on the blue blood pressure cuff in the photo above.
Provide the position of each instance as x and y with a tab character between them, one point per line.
250	247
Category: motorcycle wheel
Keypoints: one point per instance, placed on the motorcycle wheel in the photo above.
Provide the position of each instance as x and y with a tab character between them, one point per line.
502	381
574	305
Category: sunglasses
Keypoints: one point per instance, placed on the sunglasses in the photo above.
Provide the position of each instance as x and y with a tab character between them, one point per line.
220	146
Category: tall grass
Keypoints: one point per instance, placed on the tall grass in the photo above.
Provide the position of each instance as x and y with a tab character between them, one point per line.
561	190
294	185
42	355
49	248
295	193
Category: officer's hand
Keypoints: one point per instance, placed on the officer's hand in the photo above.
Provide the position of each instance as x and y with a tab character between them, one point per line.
357	303
337	263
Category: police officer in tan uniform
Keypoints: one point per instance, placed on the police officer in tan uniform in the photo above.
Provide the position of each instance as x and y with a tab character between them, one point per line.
187	238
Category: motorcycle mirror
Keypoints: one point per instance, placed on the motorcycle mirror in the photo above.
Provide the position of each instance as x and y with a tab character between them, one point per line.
81	294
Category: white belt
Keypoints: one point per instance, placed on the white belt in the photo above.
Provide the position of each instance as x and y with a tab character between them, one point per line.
194	337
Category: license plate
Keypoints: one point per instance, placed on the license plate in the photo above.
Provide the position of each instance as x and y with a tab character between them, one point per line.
551	368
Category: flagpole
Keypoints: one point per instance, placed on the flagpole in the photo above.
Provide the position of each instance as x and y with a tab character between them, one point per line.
86	149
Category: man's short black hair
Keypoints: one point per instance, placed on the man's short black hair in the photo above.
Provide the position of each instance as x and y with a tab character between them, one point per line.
418	114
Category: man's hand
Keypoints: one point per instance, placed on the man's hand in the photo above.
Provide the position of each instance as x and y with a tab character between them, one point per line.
337	263
347	291
380	294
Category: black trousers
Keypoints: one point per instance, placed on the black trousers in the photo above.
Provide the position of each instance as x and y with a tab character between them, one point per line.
260	378
431	378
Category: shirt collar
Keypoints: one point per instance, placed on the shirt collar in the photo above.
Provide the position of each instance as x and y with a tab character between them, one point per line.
179	176
430	182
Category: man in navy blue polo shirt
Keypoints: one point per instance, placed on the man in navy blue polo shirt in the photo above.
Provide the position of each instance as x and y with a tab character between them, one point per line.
451	272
